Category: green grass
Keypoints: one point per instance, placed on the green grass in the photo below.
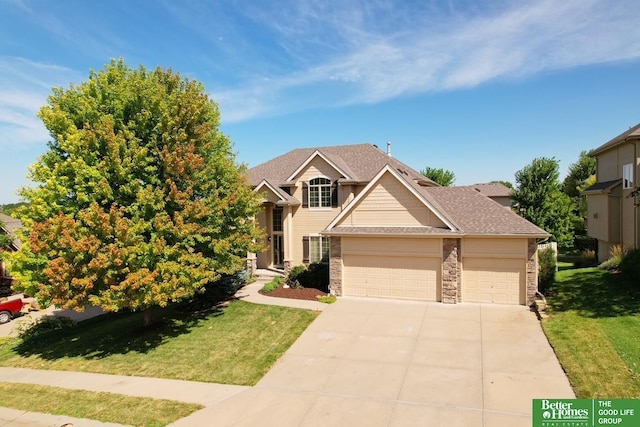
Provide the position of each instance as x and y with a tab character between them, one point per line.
106	407
594	325
234	344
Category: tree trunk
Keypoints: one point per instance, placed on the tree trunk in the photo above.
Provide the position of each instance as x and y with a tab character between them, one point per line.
148	317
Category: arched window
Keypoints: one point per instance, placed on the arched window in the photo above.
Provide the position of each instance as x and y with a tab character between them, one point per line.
320	193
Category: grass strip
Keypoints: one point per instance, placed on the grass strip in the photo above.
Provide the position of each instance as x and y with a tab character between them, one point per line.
105	407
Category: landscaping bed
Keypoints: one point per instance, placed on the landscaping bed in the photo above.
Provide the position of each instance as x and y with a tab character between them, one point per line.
310	294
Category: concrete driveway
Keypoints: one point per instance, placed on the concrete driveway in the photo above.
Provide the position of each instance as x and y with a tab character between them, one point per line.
372	362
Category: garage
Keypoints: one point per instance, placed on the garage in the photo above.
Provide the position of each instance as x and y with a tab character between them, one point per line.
392	268
494	270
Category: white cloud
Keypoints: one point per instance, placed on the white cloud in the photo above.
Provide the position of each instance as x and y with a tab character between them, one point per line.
374	53
24	87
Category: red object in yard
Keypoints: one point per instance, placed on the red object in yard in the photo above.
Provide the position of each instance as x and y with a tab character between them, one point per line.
9	309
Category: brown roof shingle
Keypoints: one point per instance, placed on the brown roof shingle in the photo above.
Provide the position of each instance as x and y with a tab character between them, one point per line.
361	161
10	225
475	213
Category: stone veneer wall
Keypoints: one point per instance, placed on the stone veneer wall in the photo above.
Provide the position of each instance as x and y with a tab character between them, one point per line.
335	265
532	271
287	267
252	264
450	271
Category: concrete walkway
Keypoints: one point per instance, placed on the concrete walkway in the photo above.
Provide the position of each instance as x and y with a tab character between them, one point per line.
370	362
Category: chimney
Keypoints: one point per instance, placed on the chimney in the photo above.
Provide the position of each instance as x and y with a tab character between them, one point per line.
389	148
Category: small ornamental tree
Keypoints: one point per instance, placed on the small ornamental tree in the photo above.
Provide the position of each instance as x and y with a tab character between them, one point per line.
139	199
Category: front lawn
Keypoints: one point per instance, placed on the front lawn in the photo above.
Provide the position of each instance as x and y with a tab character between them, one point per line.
106	407
594	326
234	344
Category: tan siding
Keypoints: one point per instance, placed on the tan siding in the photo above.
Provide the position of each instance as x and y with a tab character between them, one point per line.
390	203
494	247
598	216
318	168
269	196
392	246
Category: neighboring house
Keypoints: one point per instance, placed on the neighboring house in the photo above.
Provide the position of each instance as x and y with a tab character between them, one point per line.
612	214
387	231
496	191
9	225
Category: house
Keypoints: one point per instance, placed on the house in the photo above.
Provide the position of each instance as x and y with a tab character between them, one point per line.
612	214
387	231
496	191
8	226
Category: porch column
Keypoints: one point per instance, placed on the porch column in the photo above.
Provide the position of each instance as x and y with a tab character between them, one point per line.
287	240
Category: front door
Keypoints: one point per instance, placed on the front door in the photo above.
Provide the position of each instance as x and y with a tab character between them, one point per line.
278	250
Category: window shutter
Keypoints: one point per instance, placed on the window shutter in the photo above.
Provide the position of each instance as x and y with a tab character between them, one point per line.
305	249
334	195
305	196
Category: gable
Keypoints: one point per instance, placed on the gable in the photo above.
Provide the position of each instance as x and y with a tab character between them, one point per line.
318	167
389	203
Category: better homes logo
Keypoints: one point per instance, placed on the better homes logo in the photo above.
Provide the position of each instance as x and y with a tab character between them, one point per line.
561	412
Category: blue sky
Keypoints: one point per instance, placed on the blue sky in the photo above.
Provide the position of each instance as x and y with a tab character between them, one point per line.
478	87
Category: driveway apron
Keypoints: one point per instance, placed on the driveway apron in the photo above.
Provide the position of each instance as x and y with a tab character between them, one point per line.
375	362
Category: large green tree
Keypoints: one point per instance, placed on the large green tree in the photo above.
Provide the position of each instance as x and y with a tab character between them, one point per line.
442	176
139	200
581	175
539	197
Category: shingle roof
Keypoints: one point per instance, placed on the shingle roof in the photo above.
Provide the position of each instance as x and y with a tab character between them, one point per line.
603	186
492	189
632	133
361	161
475	213
10	225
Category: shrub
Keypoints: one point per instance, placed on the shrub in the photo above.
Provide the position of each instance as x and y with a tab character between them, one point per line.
215	292
296	272
630	266
35	328
546	269
616	254
315	276
272	285
327	299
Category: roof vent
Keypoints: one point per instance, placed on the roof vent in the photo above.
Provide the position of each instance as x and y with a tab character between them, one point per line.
389	148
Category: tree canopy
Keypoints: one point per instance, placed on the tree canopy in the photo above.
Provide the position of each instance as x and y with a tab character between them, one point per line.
581	175
139	200
539	198
441	176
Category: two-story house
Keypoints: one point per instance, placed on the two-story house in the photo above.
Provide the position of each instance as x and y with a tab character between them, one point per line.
612	216
387	231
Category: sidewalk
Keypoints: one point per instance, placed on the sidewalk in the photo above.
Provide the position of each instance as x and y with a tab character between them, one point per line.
206	394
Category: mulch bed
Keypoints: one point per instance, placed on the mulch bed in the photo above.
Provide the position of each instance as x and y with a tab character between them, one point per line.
304	293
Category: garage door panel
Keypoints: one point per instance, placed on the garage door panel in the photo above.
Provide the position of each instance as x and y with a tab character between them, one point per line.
391	277
493	280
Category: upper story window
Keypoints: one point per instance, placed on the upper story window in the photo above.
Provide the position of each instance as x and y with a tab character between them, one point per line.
320	193
627	176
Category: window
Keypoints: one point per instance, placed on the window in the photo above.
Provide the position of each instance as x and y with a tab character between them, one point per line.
277	219
627	176
320	193
318	249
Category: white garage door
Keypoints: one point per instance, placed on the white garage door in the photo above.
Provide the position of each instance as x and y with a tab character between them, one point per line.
493	280
410	277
